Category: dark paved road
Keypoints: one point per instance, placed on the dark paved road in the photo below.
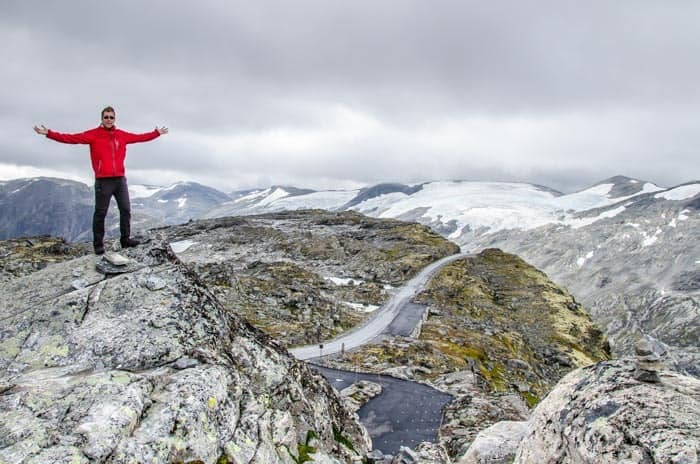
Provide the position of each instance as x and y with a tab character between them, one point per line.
405	414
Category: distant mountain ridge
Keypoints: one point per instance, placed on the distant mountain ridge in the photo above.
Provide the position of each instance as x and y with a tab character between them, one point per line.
461	210
627	248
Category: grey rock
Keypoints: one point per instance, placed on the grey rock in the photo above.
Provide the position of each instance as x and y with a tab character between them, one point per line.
185	363
154	283
424	453
518	364
601	414
375	457
77	284
496	444
107	373
359	393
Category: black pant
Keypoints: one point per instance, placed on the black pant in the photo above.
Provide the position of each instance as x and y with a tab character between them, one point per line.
105	188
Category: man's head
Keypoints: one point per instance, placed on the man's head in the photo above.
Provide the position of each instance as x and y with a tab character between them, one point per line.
108	116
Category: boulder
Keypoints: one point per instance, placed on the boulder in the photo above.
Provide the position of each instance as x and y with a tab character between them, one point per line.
603	414
359	393
496	444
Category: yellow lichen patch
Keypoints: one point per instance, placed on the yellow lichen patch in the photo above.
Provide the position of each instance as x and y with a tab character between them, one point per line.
10	347
53	347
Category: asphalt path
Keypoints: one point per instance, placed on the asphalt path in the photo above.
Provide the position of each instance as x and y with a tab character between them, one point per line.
404	414
396	313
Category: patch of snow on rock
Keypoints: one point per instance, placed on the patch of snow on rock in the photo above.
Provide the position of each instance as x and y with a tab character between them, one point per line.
181	246
650	240
582	222
143	191
341	280
365	308
684	192
581	261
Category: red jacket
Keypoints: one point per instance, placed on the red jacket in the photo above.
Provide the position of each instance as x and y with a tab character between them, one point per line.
107	147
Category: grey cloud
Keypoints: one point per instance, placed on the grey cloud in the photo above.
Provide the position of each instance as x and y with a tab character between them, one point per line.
226	69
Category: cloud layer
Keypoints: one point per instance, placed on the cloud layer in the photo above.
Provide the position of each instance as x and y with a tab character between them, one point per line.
341	94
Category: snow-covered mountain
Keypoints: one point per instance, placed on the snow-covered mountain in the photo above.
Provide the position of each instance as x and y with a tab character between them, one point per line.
176	203
461	210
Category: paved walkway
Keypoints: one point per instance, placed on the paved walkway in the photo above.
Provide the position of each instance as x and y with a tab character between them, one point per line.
390	312
404	414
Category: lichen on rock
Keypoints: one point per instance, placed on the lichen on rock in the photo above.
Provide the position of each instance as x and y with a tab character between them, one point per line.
602	414
123	370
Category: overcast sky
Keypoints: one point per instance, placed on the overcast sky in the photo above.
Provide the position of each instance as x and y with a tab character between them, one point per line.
342	94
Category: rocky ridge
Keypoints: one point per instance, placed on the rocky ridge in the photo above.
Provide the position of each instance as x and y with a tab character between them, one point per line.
147	366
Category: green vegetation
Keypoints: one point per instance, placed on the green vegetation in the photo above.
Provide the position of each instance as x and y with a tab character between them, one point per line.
304	450
343	440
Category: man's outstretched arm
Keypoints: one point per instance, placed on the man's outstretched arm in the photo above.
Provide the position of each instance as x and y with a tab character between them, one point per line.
145	137
65	138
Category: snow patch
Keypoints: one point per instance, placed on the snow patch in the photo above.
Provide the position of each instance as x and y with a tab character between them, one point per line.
341	280
582	222
329	200
143	191
365	308
253	195
650	240
582	261
181	246
181	202
276	195
684	192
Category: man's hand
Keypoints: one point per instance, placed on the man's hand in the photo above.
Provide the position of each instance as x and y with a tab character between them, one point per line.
42	130
162	130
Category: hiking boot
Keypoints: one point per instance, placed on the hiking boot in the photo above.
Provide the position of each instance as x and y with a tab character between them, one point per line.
129	242
99	249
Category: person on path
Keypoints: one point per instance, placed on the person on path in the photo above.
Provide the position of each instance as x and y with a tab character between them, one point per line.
107	154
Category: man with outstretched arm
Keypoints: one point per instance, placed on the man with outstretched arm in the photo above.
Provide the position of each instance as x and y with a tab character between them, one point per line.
107	154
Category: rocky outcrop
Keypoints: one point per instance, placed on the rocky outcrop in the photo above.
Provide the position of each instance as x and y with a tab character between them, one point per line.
496	444
499	335
602	414
635	268
358	394
22	256
147	366
305	276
